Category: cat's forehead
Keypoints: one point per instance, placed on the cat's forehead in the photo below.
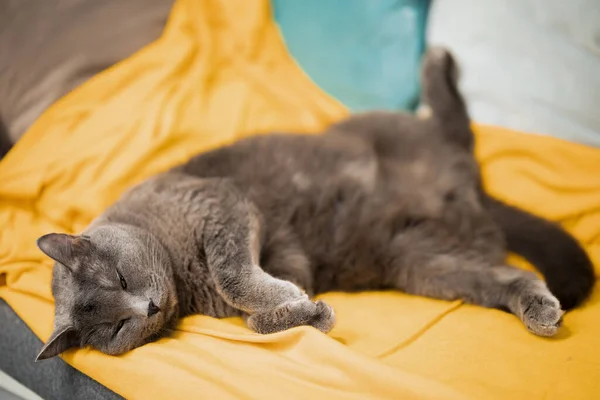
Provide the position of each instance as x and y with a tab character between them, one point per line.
113	247
90	280
97	269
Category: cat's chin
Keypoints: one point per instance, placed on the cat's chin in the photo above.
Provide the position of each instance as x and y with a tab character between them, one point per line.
167	323
168	306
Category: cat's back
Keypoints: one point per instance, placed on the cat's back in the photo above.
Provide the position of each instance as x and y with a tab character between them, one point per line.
286	162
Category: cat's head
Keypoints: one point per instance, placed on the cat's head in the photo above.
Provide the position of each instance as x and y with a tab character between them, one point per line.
113	289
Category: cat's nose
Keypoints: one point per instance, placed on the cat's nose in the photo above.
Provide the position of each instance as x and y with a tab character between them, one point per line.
152	308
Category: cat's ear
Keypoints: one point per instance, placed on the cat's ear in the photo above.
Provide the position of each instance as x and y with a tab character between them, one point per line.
62	339
64	248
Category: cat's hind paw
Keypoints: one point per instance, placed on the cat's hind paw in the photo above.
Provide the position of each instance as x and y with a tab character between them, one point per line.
542	313
293	313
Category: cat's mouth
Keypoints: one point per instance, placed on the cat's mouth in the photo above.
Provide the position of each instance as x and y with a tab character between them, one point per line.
160	323
165	303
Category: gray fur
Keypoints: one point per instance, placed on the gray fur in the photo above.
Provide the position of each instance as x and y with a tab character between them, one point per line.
379	201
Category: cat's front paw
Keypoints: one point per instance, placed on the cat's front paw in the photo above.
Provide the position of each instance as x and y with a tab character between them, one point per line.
542	313
293	313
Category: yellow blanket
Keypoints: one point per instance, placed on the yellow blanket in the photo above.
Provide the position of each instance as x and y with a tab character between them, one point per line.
219	72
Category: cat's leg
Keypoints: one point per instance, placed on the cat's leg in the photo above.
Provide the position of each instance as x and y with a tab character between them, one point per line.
505	287
283	257
232	242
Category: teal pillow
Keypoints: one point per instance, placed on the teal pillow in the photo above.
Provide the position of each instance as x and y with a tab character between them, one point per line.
365	53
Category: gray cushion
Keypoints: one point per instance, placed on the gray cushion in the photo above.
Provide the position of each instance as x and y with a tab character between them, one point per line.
50	379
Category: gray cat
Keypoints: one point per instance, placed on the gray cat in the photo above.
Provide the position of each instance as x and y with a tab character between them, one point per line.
379	201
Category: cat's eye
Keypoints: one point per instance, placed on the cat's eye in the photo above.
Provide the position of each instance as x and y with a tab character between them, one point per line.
450	197
122	281
412	222
120	325
405	223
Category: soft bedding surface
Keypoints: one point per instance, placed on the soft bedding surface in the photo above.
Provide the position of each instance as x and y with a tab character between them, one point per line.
220	72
